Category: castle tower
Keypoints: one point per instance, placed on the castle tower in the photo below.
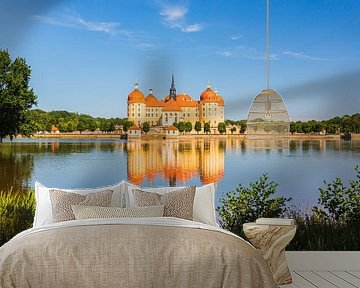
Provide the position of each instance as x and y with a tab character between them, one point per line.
172	89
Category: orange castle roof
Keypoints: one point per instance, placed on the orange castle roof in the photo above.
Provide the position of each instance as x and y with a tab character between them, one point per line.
185	100
208	96
134	127
172	127
171	105
220	100
152	101
136	97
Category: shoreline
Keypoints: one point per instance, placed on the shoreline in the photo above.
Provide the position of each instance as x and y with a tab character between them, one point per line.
118	136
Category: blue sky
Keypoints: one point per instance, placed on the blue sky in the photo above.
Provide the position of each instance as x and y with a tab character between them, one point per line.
86	55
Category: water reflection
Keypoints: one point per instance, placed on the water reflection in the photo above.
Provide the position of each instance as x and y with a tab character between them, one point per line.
176	161
269	143
16	168
227	161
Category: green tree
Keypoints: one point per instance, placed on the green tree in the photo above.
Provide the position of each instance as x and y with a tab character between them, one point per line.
16	97
246	204
92	126
104	126
127	125
233	129
207	127
222	127
292	128
70	126
243	126
81	126
62	126
197	126
181	127
188	126
306	128
146	127
111	127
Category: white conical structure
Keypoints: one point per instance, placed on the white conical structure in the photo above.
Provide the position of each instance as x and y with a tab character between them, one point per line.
268	114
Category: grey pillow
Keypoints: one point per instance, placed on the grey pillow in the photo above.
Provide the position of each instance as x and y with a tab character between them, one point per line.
94	212
61	202
177	204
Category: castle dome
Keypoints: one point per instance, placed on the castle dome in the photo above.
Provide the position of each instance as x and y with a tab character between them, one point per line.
150	99
219	99
136	96
208	95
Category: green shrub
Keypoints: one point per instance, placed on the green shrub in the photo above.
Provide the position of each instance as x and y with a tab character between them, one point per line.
246	204
340	202
17	210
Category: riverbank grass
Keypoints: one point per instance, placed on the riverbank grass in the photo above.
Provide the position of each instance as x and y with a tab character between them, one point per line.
17	210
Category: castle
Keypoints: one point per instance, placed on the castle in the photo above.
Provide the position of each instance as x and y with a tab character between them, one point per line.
175	108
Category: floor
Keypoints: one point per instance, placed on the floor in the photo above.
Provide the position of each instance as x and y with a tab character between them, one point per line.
324	269
324	279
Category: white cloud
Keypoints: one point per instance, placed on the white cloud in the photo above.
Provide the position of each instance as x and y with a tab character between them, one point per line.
174	13
301	55
174	17
245	52
193	27
236	37
72	19
224	53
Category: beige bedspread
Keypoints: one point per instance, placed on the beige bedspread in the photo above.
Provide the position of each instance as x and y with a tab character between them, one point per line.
152	252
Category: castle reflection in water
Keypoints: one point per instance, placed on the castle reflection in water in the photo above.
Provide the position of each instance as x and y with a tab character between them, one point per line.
179	161
176	161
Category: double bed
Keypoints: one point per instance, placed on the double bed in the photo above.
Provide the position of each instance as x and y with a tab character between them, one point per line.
131	252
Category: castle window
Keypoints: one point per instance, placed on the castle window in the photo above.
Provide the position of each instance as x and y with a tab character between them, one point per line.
132	114
188	114
138	114
152	114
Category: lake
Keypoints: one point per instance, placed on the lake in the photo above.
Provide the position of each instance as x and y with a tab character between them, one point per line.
299	166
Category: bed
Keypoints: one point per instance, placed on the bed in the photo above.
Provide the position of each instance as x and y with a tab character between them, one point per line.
131	252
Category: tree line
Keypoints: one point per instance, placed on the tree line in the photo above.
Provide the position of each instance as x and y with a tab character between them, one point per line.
336	125
39	120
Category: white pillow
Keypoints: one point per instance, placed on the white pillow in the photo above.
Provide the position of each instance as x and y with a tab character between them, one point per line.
204	201
43	212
